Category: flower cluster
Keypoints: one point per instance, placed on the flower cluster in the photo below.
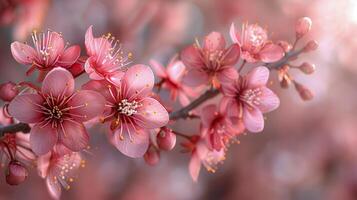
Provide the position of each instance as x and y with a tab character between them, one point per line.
45	124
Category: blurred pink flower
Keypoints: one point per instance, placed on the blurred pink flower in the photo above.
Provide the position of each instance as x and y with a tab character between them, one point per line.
106	59
248	98
213	63
59	171
8	91
49	52
130	109
171	79
57	112
255	45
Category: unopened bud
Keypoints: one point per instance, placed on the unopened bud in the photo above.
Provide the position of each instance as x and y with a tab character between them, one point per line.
285	45
152	156
303	26
8	91
311	46
307	68
16	173
304	92
166	140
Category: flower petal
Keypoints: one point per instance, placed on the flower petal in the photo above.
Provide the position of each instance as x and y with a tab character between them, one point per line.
230	89
26	108
268	101
208	114
103	87
253	119
73	135
258	77
42	139
87	104
214	42
151	114
184	100
23	53
194	167
158	68
231	55
43	162
176	71
195	78
191	57
271	53
138	81
69	56
53	187
227	75
58	82
56	43
233	34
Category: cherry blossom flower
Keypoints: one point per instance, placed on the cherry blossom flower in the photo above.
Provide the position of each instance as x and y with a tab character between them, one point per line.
130	110
106	57
8	91
255	45
57	112
49	52
59	171
212	63
171	79
248	98
217	127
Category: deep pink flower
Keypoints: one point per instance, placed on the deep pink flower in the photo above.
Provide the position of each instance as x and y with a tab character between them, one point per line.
59	171
217	127
248	98
212	63
57	112
8	91
106	57
171	79
255	45
130	110
49	52
16	173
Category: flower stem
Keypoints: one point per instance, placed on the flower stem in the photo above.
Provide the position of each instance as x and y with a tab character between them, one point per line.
13	128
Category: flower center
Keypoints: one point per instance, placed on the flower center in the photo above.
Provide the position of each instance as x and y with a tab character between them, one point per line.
251	96
55	113
128	108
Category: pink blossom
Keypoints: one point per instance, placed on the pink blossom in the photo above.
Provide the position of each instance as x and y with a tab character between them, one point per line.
8	91
171	79
130	110
212	63
59	171
106	57
217	127
57	112
255	45
16	173
248	98
49	52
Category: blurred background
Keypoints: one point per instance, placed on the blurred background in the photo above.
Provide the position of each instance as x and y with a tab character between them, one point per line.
307	150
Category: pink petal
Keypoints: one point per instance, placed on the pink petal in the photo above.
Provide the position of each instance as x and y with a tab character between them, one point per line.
214	42
228	75
233	34
89	105
158	68
42	139
43	163
25	108
53	187
23	53
73	135
138	81
194	167
95	46
208	114
271	53
191	57
253	119
135	142
151	114
226	104
184	100
69	56
57	46
268	100
89	40
58	82
258	77
195	78
103	87
89	67
230	89
116	77
175	71
231	55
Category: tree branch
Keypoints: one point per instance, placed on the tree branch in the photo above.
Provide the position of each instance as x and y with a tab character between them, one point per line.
13	128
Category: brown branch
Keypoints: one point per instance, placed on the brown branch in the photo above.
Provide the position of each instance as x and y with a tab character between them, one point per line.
13	128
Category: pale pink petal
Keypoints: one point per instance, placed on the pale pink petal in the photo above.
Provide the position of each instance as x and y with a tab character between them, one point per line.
225	104
208	114
26	108
42	139
89	40
69	56
86	105
268	101
73	135
115	77
233	34
103	87
258	77
95	46
194	167
134	143
184	100
271	53
53	187
231	55
56	43
176	71
138	81
253	119
228	75
43	163
58	82
151	114
90	69
195	78
230	89
191	57
23	53
214	42
158	68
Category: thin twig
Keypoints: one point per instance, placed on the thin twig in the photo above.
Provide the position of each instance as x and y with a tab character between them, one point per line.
13	128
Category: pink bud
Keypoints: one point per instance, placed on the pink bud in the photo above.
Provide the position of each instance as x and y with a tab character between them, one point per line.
152	156
311	46
304	92
16	173
8	91
303	26
307	68
166	140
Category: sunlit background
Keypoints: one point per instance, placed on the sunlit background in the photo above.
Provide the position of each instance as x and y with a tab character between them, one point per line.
307	150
